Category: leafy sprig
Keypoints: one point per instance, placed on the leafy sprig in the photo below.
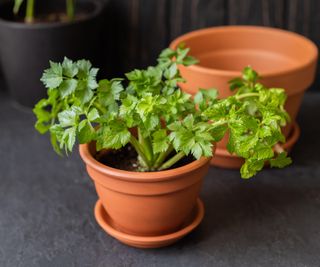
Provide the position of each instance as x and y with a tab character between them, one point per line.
254	116
169	123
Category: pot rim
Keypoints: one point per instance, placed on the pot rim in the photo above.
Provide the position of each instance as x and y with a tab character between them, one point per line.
245	28
98	7
139	176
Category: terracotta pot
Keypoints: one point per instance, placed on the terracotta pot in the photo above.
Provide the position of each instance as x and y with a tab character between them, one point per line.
282	58
146	203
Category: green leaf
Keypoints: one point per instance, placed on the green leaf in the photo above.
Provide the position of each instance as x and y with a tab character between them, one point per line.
219	132
160	141
92	83
211	94
56	133
68	138
280	161
85	95
198	98
151	122
17	5
134	75
196	151
69	68
206	148
83	68
171	72
235	83
52	77
54	143
188	121
85	132
43	116
114	135
205	98
182	139
93	114
109	92
219	110
249	74
67	118
251	167
189	60
181	54
167	53
146	106
68	87
263	152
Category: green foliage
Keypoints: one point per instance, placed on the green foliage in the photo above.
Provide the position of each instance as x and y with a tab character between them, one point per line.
168	121
254	115
280	161
17	5
191	136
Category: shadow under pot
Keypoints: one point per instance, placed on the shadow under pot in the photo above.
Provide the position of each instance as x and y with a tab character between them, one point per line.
26	48
146	209
283	59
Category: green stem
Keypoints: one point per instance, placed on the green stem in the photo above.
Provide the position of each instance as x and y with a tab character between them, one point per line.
135	143
70	9
146	145
172	161
238	97
162	156
102	109
217	123
30	11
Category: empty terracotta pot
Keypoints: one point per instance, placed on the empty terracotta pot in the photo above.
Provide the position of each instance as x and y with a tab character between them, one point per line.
146	203
282	58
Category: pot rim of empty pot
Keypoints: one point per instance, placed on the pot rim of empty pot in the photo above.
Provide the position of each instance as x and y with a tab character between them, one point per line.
312	56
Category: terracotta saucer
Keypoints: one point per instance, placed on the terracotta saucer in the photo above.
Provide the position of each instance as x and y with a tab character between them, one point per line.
224	159
149	241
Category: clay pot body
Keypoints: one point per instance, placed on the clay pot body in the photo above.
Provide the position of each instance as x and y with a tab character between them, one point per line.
283	59
146	203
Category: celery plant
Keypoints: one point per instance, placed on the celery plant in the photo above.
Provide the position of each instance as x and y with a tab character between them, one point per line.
170	123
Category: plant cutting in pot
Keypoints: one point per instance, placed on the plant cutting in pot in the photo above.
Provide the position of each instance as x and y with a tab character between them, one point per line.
34	32
30	6
147	144
283	59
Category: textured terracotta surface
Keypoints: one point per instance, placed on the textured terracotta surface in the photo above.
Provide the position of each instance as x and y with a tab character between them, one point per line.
146	203
283	59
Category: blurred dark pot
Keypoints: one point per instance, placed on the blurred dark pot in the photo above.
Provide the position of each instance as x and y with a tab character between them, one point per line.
25	49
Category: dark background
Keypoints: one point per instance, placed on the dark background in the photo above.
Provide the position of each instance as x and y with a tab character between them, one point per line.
46	201
137	30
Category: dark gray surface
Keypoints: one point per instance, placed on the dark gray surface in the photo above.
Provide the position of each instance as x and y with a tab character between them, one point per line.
46	208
